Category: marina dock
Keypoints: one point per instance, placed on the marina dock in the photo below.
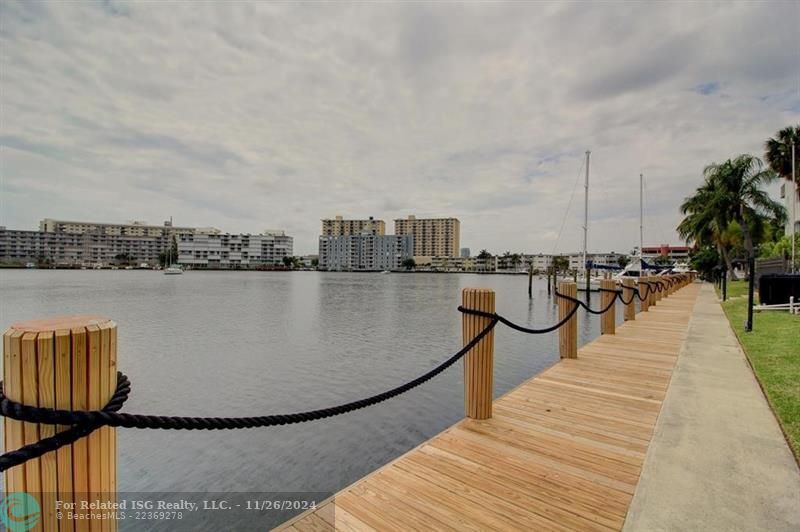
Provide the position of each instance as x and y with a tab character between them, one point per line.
562	451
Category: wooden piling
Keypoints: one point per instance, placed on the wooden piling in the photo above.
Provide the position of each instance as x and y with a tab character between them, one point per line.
62	363
608	320
548	282
530	280
644	289
479	361
629	296
568	333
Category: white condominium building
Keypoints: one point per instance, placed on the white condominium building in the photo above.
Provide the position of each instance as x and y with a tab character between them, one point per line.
364	252
132	229
225	250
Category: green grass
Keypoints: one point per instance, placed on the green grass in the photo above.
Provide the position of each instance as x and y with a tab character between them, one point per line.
736	289
773	347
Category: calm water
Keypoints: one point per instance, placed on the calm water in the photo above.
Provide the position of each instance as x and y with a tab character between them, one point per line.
250	343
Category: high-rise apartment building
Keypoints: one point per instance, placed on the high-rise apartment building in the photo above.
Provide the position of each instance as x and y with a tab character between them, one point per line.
338	226
364	252
433	237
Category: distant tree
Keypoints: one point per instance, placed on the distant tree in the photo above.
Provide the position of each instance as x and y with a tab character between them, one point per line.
704	260
560	264
288	262
314	263
124	258
409	264
781	248
43	261
623	261
516	259
484	254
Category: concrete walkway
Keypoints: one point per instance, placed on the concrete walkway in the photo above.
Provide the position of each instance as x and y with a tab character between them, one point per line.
718	460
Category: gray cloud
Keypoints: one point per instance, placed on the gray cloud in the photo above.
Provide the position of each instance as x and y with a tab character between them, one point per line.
251	115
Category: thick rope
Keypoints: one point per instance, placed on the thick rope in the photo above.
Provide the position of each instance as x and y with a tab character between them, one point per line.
633	290
520	328
646	293
578	302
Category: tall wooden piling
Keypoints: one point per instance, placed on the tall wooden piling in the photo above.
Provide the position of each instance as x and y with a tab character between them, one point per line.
67	363
479	361
629	296
568	333
608	320
644	290
530	280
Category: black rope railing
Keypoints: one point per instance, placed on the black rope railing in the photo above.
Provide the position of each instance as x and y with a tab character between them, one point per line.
520	328
588	309
83	423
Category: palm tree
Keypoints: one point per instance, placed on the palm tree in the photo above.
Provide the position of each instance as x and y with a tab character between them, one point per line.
560	264
778	151
735	194
705	226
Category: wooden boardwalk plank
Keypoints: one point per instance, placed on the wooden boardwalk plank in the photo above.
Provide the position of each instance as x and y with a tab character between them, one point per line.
563	451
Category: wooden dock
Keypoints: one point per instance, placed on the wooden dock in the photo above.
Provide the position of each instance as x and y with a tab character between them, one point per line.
563	451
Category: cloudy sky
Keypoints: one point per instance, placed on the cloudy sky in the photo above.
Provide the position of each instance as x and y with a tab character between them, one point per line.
247	116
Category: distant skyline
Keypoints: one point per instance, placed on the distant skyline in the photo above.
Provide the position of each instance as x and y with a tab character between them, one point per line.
248	116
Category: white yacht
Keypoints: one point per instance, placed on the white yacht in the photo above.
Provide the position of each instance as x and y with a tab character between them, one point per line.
681	267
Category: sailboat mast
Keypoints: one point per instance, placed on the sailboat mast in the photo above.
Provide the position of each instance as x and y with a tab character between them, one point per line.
586	214
641	225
